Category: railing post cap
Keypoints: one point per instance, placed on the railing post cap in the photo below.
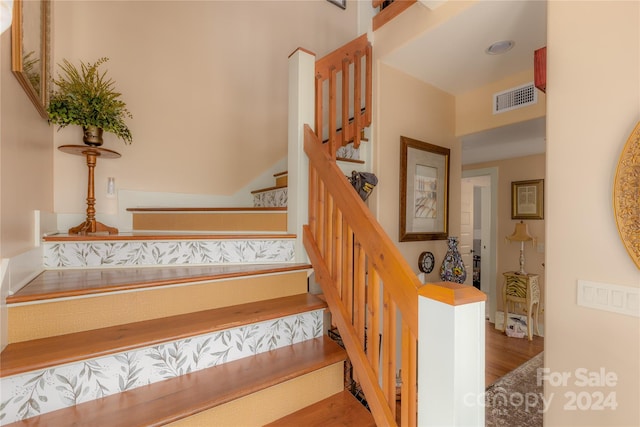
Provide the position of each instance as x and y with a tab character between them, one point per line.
452	293
301	49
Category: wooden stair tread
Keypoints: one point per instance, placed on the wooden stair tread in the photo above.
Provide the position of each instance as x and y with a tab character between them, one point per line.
177	398
164	235
344	159
228	209
341	409
77	282
42	353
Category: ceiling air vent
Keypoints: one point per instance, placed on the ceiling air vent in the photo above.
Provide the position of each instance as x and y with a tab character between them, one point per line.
513	98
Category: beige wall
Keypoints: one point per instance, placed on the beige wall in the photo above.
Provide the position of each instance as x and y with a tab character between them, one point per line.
25	173
405	106
26	153
474	109
593	103
206	82
508	253
408	107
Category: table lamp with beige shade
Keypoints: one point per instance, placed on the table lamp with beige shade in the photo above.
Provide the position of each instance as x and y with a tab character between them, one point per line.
521	234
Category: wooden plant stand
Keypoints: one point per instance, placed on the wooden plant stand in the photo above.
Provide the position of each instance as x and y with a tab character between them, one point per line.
90	225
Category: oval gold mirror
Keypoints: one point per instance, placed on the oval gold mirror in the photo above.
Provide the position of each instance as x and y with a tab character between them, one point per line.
30	50
626	194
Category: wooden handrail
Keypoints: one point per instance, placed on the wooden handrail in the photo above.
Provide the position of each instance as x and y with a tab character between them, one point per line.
368	285
366	281
391	11
388	261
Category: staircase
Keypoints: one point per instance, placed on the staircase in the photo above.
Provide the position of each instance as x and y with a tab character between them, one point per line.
202	317
275	196
174	323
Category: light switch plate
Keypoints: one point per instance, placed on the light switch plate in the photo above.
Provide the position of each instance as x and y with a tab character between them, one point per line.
608	297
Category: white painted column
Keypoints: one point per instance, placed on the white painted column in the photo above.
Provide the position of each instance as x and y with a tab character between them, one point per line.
302	66
451	356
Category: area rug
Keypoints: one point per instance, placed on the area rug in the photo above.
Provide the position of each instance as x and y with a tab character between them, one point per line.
516	399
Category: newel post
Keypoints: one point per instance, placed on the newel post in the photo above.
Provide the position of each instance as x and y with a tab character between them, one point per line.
302	67
451	356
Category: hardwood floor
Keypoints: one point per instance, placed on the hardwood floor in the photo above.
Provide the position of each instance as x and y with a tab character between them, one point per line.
503	354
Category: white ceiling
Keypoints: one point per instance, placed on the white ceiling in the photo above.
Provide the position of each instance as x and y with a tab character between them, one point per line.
517	140
452	57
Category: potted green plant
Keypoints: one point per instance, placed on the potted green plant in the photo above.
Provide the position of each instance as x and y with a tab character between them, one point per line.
87	98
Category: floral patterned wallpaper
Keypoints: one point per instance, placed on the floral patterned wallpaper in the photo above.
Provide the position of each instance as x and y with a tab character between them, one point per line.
133	253
348	152
26	395
271	199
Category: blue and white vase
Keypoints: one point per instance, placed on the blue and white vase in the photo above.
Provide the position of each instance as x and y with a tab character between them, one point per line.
452	269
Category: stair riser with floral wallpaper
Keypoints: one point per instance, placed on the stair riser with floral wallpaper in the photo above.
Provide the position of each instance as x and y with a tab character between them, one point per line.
132	253
276	198
33	393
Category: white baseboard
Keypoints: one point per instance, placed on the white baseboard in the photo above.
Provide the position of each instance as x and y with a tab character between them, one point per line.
15	273
45	223
21	269
4	291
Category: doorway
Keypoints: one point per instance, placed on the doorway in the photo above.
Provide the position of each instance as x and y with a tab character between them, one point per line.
478	232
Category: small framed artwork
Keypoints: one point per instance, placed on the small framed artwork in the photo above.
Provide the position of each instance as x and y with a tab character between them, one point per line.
527	199
424	191
340	3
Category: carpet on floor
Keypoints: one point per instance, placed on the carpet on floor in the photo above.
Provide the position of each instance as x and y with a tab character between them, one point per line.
516	399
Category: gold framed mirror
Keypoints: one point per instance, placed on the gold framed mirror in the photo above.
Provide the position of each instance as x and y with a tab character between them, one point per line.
626	192
30	50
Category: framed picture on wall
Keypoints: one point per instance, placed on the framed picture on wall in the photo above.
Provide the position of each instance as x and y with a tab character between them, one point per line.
424	191
527	199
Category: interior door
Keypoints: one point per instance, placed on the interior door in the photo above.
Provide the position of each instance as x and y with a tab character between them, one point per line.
487	179
465	242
